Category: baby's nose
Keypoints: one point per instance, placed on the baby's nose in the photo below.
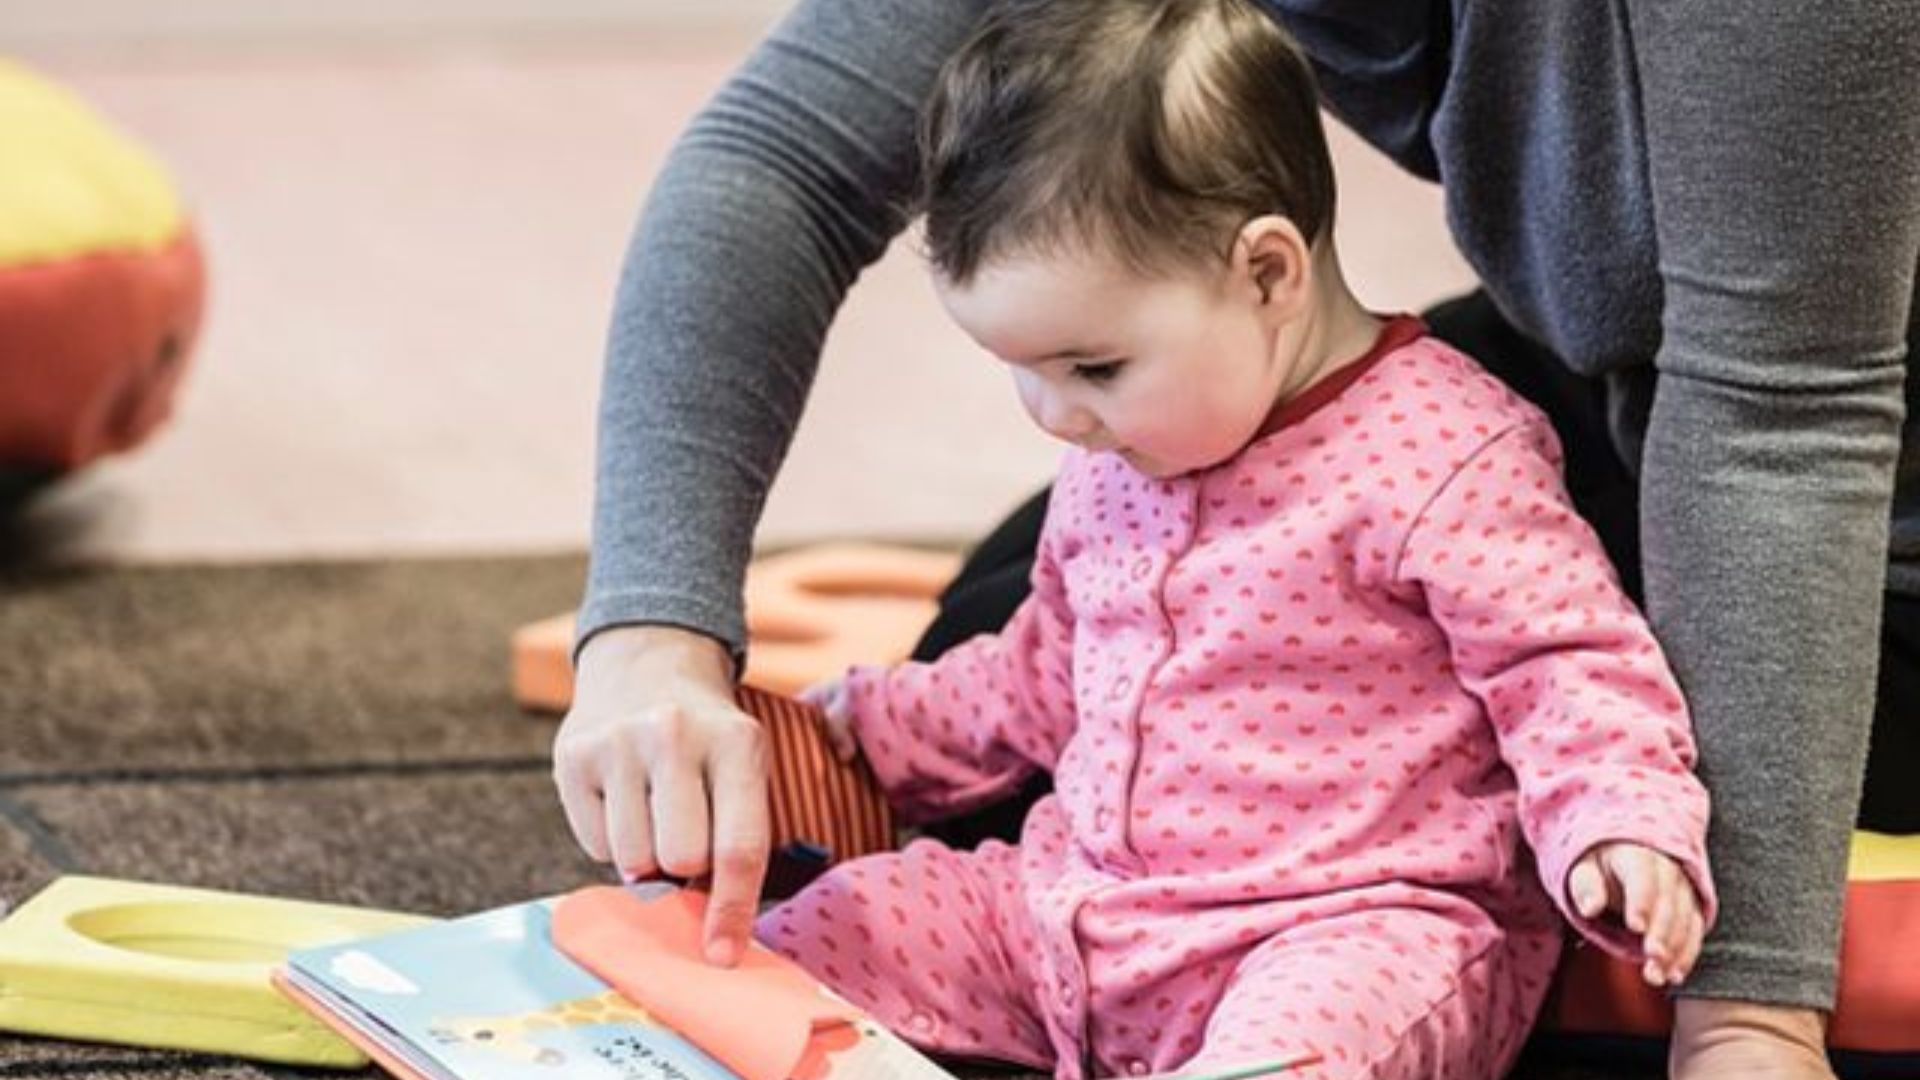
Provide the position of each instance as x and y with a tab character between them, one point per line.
1068	423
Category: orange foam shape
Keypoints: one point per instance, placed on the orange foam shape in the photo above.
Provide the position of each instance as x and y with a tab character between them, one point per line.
811	613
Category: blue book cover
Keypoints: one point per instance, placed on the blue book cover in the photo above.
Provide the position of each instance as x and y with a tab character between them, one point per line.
488	997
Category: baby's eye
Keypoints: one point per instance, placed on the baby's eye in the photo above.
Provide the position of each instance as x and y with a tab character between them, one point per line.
1100	372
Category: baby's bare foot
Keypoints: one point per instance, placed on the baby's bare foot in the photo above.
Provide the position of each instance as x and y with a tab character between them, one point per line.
1743	1040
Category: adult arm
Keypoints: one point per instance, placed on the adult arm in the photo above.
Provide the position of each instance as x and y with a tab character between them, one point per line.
1784	155
788	183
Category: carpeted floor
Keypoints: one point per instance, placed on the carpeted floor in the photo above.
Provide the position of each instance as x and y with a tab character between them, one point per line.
339	732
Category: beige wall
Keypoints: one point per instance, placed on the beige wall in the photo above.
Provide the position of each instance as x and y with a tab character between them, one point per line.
43	23
412	252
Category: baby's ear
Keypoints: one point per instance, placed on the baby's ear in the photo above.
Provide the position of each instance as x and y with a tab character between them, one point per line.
1274	258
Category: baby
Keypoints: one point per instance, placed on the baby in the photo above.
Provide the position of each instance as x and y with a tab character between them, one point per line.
1340	698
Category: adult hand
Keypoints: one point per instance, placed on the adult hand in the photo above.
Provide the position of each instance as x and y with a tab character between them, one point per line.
1652	897
653	741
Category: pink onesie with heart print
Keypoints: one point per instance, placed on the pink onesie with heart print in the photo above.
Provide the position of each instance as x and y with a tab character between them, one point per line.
1328	725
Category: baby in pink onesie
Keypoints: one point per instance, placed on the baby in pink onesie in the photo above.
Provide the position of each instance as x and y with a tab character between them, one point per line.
1343	705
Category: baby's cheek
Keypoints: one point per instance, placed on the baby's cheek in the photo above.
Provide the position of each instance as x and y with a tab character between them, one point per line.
1198	440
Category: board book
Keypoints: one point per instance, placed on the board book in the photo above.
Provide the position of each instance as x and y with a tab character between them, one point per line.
505	995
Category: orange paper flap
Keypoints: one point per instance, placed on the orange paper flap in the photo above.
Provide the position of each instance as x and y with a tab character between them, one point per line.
757	1018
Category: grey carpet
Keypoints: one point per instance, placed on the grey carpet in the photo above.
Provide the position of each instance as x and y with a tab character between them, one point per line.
338	732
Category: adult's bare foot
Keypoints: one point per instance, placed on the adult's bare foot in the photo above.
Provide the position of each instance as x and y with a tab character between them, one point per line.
1744	1040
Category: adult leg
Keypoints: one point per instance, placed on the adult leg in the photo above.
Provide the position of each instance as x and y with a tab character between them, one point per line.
932	942
1741	1039
1749	1039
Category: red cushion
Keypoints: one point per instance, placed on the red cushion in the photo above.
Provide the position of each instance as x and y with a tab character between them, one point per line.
1876	1020
92	348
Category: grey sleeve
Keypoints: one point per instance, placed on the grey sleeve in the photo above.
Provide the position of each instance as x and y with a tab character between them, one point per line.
1784	155
1381	67
788	183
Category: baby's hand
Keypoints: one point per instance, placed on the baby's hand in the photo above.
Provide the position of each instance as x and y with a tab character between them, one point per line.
832	699
1654	899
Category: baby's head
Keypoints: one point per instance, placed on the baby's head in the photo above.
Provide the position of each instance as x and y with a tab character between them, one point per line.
1126	200
1150	129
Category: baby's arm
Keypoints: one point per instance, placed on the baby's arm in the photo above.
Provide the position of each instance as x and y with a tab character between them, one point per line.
1587	712
970	727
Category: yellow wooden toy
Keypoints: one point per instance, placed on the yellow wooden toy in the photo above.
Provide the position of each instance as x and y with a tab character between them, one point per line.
171	967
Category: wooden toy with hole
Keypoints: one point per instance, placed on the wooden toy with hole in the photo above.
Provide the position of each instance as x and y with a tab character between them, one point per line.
811	613
165	966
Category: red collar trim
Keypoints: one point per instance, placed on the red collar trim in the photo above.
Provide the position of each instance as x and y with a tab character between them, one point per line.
1399	331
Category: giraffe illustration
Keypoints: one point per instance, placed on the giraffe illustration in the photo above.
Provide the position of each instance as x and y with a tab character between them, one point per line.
512	1035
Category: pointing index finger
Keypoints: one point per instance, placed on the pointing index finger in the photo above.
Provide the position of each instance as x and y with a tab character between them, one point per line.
737	784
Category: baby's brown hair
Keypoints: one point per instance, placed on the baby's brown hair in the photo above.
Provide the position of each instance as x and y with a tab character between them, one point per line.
1147	129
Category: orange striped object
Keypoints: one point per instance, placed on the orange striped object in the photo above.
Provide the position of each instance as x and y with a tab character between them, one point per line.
815	798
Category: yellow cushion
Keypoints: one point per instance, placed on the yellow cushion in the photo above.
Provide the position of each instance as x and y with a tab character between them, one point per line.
72	185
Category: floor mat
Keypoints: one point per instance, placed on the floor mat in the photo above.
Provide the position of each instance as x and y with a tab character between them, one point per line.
339	732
